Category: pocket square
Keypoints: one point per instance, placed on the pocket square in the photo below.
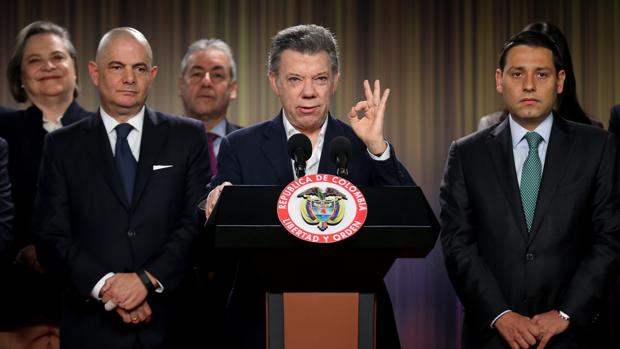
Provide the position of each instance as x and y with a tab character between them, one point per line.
160	167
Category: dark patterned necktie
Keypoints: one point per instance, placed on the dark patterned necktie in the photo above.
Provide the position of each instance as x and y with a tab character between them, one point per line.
530	178
211	137
125	162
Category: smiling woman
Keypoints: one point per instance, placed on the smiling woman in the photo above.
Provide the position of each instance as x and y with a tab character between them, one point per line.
42	71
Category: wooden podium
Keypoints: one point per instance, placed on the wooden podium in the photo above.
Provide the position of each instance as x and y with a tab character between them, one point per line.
322	295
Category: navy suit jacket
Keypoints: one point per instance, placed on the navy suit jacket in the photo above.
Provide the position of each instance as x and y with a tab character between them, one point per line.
6	207
568	260
259	155
85	228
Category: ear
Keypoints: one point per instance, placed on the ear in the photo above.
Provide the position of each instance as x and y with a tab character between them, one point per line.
153	72
93	71
498	81
233	90
273	79
561	79
180	87
336	79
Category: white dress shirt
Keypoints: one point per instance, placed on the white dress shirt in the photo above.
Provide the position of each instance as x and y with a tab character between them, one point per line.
312	164
133	138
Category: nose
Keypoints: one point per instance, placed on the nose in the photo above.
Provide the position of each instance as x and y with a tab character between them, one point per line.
129	76
308	90
529	83
48	64
206	79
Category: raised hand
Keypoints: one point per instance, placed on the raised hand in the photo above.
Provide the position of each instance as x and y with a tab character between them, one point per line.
366	118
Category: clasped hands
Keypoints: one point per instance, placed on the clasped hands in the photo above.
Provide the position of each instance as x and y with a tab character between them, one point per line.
128	293
521	332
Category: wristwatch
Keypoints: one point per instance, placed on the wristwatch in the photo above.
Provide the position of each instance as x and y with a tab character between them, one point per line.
563	315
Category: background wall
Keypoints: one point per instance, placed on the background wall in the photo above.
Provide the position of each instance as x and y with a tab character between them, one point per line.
438	57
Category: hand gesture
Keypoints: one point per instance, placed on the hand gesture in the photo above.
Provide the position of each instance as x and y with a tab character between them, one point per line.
366	118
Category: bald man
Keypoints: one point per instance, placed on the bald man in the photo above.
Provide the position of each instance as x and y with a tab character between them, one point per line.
114	210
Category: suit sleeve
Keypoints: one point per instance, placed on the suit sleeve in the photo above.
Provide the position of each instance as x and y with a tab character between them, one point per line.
599	268
171	264
6	205
56	248
228	168
614	120
390	171
473	281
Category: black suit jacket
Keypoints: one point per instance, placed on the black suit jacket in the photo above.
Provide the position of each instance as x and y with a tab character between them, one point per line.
568	260
230	127
23	131
258	155
85	228
614	120
6	207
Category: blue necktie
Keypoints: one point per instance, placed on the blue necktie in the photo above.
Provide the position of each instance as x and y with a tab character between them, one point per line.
530	178
125	162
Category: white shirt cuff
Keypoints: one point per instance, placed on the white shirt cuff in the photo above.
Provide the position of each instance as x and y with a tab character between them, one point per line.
498	316
382	157
95	291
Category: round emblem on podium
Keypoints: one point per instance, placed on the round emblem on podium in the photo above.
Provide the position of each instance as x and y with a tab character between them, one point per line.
322	208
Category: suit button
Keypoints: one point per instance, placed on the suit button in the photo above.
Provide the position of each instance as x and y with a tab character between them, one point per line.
529	257
131	233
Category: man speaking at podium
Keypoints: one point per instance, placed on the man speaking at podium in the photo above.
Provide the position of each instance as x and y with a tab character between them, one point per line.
303	72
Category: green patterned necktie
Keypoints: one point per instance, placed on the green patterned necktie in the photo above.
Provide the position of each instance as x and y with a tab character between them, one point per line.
530	178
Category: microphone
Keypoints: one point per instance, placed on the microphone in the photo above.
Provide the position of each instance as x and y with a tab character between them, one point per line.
340	152
299	149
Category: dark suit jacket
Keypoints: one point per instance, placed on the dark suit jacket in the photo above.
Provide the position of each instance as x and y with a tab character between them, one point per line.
6	207
614	120
568	260
230	127
23	131
6	110
84	227
258	155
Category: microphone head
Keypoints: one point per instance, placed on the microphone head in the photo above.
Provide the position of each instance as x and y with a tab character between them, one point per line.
340	146
299	141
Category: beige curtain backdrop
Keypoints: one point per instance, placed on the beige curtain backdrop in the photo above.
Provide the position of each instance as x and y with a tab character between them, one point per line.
438	58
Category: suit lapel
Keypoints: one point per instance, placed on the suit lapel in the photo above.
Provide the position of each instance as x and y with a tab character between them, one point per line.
558	153
154	136
98	146
500	150
326	165
275	148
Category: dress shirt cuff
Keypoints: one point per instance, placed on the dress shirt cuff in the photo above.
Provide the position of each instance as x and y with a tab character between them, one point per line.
382	157
160	287
498	316
95	292
563	315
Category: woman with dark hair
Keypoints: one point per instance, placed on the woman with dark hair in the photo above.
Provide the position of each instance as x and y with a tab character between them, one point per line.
42	71
567	104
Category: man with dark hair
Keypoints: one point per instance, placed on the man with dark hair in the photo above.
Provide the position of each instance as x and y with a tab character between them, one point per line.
114	217
304	72
530	221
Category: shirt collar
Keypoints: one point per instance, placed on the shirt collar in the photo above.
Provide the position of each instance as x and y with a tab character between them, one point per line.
219	129
291	130
137	121
518	132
